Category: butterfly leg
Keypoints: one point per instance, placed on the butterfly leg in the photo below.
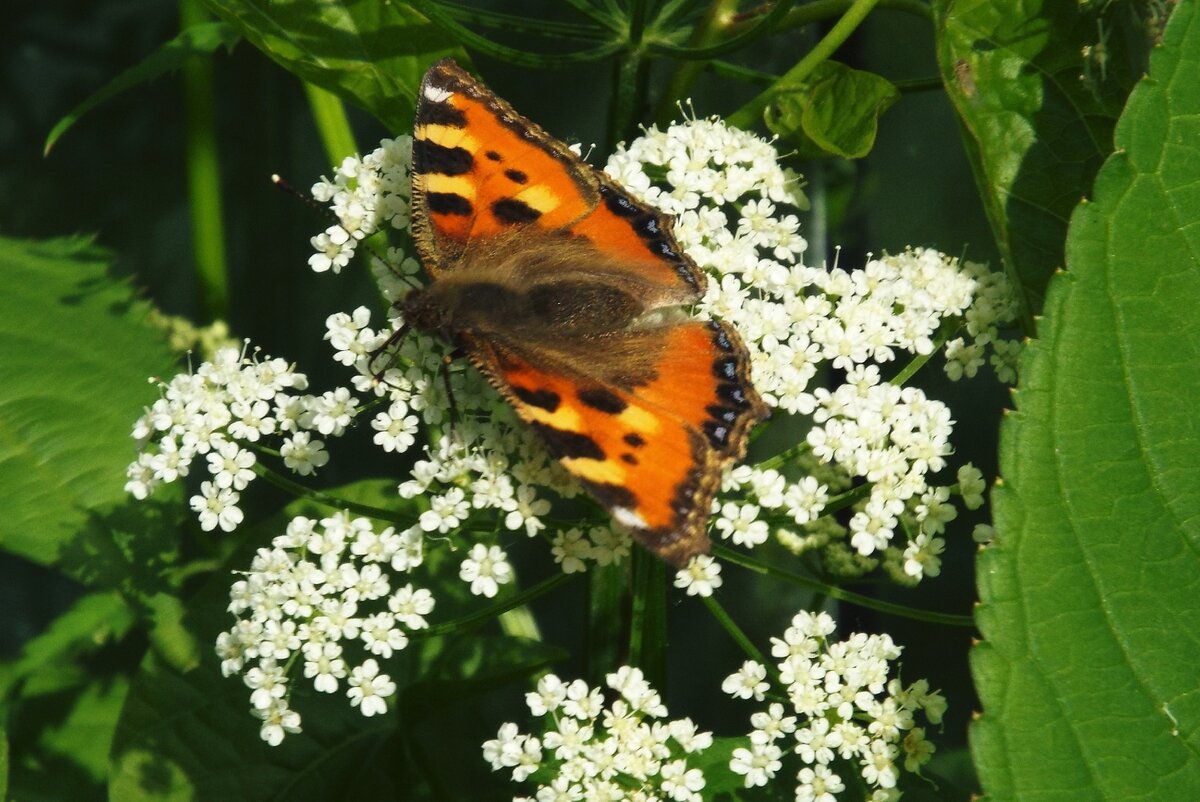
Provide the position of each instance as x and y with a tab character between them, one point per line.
447	360
394	341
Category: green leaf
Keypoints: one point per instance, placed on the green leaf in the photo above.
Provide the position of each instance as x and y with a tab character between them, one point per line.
191	735
1089	604
1035	132
198	40
90	623
369	52
74	359
835	112
3	764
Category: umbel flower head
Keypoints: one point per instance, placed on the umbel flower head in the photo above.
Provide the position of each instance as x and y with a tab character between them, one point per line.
626	749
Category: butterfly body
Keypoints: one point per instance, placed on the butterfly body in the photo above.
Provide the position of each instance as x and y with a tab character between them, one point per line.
566	293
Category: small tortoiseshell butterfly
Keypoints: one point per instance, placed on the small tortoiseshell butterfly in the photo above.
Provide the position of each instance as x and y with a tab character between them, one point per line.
560	287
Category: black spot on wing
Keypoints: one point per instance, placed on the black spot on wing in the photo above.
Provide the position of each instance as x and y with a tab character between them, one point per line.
629	458
603	400
565	444
430	157
513	211
612	495
634	439
442	114
516	176
493	156
717	433
725	368
448	203
542	399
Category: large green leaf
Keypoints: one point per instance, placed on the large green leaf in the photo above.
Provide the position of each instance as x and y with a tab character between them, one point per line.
1088	674
74	358
370	52
834	112
1035	130
190	734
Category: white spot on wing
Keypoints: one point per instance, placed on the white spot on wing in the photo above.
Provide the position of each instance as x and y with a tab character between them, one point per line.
435	94
628	518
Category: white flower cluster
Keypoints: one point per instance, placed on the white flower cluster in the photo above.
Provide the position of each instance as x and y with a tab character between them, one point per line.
218	410
622	751
724	187
843	713
321	598
367	195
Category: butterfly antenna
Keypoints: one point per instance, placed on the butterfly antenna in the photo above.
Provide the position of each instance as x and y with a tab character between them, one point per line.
325	211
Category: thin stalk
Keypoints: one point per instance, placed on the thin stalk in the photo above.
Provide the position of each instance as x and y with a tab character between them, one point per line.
300	491
735	632
203	175
607	616
712	26
630	91
749	114
486	614
929	616
332	124
648	627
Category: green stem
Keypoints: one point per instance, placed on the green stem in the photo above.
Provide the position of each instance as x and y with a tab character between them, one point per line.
332	124
929	616
607	615
486	614
648	627
750	113
735	632
203	175
300	491
821	10
948	327
712	25
630	89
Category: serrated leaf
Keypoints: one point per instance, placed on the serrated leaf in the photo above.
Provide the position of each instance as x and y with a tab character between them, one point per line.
369	52
1035	129
1089	594
190	735
74	359
198	40
835	112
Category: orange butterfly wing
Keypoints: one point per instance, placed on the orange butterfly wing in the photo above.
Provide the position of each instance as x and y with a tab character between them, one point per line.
646	412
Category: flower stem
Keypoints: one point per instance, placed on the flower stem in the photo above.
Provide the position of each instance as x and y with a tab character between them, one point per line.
486	614
300	491
332	125
203	175
929	616
648	625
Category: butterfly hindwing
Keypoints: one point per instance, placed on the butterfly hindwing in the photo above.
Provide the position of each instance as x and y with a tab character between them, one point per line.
651	449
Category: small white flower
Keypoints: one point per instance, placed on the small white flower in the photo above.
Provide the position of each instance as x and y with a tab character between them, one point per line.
302	454
217	508
486	568
749	681
369	689
700	577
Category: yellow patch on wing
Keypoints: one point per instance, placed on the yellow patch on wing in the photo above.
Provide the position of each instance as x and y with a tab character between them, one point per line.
449	184
447	136
565	418
539	198
600	471
639	419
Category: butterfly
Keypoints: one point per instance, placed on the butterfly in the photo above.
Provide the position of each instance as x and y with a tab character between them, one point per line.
565	292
